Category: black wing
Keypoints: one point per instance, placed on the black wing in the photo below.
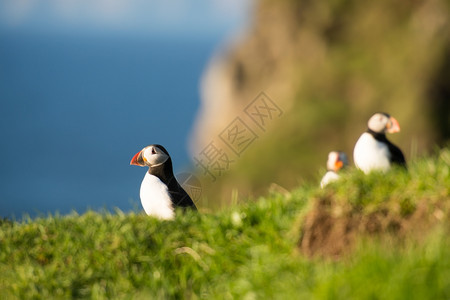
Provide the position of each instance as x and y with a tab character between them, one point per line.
181	199
397	156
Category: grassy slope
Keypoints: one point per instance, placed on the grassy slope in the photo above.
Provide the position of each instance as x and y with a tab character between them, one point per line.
248	250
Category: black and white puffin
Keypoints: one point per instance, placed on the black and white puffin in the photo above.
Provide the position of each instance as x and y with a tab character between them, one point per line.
160	191
336	161
373	151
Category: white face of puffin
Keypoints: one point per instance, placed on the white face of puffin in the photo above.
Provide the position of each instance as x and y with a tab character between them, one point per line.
336	161
154	156
151	156
381	123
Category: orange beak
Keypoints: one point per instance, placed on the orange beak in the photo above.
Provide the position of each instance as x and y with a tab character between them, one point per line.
338	165
134	160
393	126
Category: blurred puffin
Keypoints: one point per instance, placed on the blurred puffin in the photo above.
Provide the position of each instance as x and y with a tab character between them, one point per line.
373	151
336	161
160	192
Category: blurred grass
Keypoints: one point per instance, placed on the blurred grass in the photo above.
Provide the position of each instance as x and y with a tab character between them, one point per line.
246	251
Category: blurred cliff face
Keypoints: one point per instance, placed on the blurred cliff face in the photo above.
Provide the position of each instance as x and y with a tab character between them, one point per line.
329	66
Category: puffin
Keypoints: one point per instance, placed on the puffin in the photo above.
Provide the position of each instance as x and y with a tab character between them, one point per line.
336	161
373	151
160	191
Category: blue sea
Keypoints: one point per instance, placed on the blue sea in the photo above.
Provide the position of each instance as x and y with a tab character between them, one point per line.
75	109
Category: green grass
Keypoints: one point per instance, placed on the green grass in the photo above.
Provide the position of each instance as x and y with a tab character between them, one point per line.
246	251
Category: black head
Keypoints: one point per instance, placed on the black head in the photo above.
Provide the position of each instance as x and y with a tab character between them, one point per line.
151	156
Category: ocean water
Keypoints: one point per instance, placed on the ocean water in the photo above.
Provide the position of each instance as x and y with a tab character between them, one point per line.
74	110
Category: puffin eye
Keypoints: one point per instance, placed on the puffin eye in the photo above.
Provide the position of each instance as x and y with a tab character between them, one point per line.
153	151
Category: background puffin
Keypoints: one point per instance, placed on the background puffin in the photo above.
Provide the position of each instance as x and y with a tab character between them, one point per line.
160	192
373	151
336	161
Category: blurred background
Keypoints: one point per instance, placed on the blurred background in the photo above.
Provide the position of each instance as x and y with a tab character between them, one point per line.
84	85
329	65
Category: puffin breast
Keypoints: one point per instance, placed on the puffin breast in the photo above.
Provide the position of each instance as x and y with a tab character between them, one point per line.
330	176
155	198
370	154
